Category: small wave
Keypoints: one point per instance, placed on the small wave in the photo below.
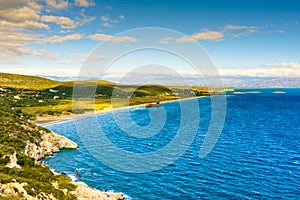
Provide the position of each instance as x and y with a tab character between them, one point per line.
126	197
137	108
278	92
78	170
253	92
248	92
73	177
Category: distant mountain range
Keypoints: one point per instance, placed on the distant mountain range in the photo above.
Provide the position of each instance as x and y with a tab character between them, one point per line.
261	82
229	81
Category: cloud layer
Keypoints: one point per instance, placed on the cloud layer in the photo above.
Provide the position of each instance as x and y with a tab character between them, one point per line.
228	31
21	19
105	37
291	65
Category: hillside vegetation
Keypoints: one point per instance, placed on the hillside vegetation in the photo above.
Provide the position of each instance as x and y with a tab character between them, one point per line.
39	96
26	82
22	143
15	132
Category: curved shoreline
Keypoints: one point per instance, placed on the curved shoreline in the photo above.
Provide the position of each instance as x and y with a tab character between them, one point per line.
48	120
52	143
83	188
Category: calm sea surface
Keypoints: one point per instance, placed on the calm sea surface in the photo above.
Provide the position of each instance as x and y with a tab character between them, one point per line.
256	157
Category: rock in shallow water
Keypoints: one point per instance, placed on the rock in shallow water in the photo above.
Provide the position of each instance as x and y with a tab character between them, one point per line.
83	192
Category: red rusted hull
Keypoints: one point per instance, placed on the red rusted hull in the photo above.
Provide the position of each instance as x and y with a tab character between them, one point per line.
151	105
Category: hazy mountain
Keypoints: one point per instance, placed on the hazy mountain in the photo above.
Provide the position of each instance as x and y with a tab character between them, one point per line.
229	81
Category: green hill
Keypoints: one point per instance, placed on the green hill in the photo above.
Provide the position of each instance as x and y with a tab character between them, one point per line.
37	96
38	83
26	82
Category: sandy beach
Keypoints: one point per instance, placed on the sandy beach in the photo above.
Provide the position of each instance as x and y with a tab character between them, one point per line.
46	120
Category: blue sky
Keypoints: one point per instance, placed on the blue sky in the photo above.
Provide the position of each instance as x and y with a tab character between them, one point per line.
54	37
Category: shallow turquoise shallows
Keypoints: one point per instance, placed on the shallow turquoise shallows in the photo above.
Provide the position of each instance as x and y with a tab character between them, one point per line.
256	157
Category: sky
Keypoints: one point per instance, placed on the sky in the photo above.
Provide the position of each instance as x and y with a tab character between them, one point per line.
243	38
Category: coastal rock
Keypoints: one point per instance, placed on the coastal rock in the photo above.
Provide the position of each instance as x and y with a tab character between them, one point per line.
50	143
46	145
15	189
13	161
84	192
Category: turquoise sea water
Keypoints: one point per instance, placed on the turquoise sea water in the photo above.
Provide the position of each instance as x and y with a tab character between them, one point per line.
256	157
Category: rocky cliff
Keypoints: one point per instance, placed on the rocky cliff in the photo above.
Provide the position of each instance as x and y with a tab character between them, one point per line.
82	192
48	144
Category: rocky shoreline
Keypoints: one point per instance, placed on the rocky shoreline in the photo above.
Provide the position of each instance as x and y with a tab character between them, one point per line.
51	143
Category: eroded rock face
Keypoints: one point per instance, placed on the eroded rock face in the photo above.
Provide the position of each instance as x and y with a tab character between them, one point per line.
15	189
50	143
13	161
83	192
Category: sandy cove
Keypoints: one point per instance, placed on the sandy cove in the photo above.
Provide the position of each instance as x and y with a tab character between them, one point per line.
42	121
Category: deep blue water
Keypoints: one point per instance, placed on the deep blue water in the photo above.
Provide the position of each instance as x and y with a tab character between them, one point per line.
256	157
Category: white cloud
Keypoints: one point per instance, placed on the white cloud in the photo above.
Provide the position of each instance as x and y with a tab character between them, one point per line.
58	4
64	22
105	37
44	54
81	58
238	31
167	40
11	50
19	14
94	57
16	37
284	64
214	35
107	25
5	4
84	3
34	5
59	39
5	61
108	22
5	25
82	19
18	19
208	35
204	35
105	18
70	62
14	45
232	27
240	34
64	72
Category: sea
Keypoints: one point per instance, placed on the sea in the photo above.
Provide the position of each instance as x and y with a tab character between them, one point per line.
256	154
